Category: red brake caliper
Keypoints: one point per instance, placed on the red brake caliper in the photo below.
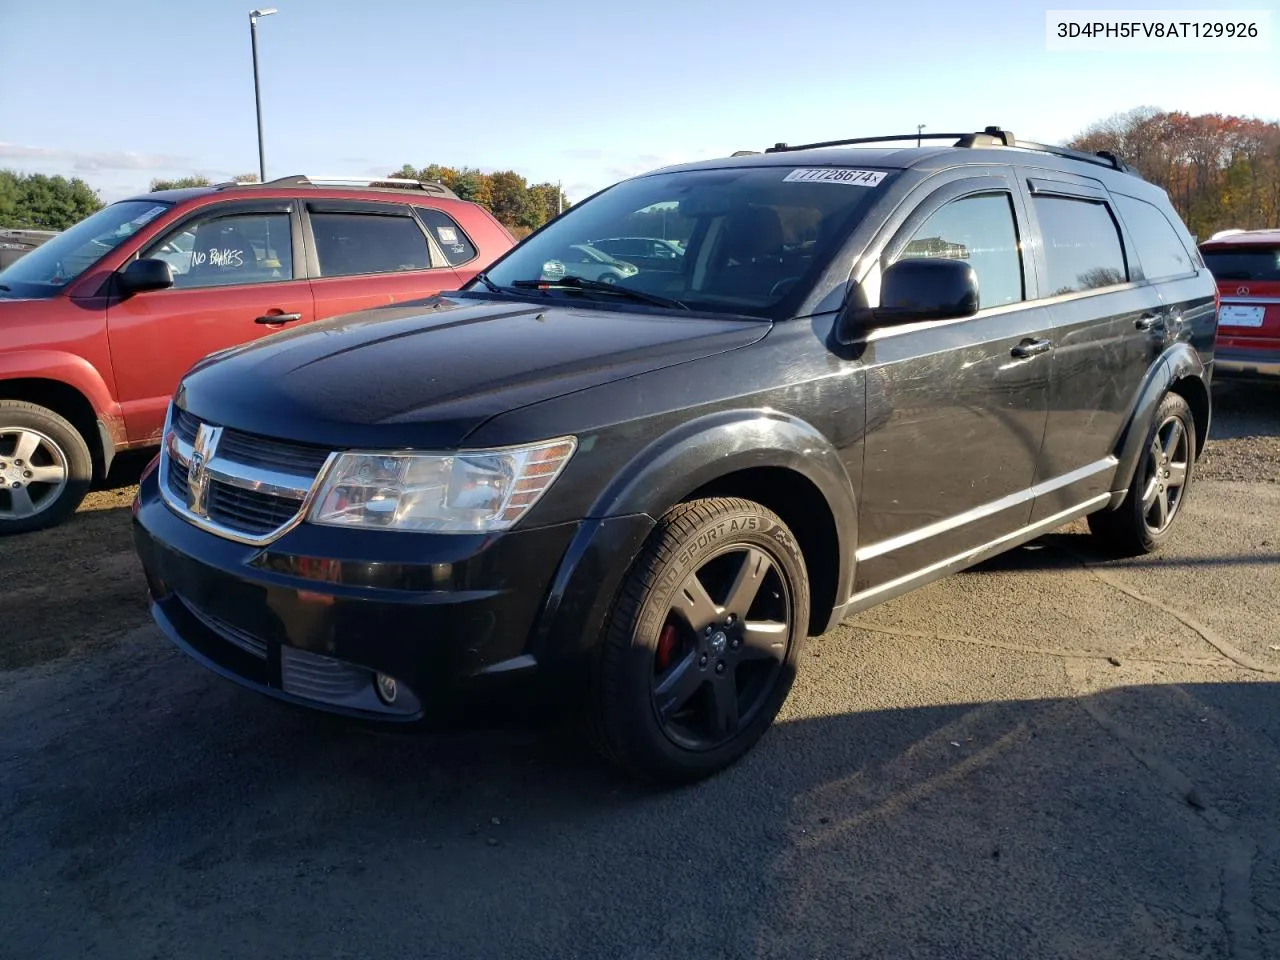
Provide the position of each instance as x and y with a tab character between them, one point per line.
666	647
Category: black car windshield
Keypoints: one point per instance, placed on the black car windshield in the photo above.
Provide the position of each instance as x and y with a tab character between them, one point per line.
1244	263
56	262
733	240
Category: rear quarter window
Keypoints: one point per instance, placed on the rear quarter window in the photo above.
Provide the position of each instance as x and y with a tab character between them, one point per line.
1160	251
453	242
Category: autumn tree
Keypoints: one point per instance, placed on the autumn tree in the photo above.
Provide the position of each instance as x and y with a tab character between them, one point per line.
1219	171
518	205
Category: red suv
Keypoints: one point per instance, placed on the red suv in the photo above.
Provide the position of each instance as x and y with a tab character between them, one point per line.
98	325
1246	264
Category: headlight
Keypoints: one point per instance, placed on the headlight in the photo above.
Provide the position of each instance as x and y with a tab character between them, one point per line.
474	491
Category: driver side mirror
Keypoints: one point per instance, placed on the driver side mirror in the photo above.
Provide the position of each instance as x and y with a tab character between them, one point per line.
143	275
915	290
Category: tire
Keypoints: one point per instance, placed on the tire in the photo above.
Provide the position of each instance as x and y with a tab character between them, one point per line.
1170	449
38	443
610	278
675	701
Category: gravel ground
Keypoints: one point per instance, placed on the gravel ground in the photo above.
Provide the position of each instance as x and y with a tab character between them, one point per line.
1244	443
1051	755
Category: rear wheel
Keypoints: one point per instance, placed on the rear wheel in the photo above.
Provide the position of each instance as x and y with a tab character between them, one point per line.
1159	488
45	467
702	646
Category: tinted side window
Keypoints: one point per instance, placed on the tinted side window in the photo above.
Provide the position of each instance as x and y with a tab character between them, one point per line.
983	231
348	244
1081	244
218	251
457	246
1159	248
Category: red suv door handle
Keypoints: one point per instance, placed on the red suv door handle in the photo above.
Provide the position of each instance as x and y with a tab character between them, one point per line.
278	318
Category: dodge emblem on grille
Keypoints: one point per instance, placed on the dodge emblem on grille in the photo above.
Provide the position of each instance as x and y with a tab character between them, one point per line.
202	451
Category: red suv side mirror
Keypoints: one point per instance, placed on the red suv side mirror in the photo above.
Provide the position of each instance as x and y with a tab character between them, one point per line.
143	275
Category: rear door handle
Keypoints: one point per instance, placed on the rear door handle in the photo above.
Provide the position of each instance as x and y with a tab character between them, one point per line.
1147	321
1031	348
278	318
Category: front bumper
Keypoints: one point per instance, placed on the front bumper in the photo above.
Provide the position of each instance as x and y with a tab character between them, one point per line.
314	617
1246	363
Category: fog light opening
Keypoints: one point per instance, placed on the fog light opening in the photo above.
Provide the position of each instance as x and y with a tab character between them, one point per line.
386	688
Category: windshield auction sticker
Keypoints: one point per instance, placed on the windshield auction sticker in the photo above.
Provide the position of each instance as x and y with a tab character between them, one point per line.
853	178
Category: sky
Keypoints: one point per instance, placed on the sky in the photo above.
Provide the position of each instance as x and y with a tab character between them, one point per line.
121	91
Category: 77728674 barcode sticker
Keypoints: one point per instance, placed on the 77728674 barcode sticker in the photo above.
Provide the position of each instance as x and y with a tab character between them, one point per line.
855	178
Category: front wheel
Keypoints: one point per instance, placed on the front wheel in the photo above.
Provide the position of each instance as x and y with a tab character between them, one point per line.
45	468
701	649
1159	488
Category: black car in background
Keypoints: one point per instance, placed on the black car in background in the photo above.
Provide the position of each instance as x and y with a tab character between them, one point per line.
873	366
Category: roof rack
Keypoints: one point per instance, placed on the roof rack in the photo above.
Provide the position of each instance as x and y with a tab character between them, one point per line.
368	183
989	137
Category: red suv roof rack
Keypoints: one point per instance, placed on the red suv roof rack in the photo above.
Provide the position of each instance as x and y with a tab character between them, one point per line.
364	183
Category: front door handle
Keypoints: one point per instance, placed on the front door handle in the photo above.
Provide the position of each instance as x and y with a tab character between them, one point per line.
278	318
1147	321
1031	348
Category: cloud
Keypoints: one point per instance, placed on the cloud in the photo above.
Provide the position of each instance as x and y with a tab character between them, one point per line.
95	160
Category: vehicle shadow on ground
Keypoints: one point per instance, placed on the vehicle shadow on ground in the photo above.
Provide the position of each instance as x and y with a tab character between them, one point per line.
183	816
126	469
1062	551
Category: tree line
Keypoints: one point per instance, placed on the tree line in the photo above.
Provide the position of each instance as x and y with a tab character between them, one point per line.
1219	171
40	202
520	206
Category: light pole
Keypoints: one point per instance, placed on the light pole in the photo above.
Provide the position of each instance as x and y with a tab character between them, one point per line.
257	96
919	127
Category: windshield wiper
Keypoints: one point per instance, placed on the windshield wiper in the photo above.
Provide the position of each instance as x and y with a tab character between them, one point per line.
578	283
489	284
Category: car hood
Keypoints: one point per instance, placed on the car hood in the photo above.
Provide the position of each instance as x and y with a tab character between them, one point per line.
427	374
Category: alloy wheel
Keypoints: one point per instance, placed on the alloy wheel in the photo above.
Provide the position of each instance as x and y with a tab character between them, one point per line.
33	472
1167	464
721	648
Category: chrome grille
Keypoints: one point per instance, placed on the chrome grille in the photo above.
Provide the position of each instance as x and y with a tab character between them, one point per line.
247	511
255	451
238	485
185	425
178	479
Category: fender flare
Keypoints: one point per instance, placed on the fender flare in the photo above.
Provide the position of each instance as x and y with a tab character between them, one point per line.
663	473
1179	362
74	371
713	446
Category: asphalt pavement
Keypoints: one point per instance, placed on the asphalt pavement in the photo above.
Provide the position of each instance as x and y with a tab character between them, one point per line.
1051	755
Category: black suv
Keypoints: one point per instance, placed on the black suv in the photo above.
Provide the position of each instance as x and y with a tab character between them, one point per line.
867	367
